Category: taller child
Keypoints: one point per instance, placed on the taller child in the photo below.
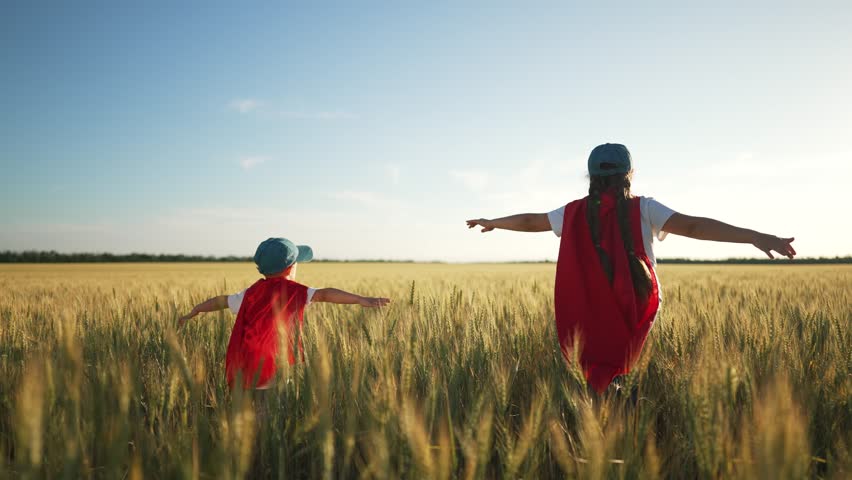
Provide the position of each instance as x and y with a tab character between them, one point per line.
607	292
273	304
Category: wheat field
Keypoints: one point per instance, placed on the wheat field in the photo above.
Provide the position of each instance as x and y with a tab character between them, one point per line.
746	374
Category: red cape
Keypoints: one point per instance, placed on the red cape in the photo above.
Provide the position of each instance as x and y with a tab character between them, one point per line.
608	319
270	305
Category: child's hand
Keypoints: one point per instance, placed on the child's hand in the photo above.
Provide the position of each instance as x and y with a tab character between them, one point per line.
373	302
182	320
487	225
770	243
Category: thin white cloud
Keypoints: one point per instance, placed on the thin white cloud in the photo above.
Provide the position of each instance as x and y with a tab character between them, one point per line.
540	184
472	179
62	228
245	105
225	214
319	115
749	167
248	105
251	161
745	157
393	172
234	230
368	199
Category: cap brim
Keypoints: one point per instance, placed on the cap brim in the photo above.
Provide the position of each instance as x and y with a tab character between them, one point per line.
306	254
598	172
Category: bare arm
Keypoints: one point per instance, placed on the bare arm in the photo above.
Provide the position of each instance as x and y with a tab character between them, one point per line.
709	229
210	305
333	295
523	222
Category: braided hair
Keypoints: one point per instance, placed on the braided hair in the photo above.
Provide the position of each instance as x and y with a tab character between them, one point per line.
620	185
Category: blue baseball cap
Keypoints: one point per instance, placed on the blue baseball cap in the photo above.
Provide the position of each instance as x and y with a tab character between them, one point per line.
610	159
274	255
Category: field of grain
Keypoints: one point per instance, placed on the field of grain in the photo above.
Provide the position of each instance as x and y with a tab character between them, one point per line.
747	374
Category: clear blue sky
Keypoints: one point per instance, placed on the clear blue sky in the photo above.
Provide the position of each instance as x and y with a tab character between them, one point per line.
376	130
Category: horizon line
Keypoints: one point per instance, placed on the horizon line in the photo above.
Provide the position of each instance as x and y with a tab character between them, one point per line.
53	256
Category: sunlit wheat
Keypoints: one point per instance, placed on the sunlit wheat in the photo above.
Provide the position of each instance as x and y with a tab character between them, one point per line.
746	374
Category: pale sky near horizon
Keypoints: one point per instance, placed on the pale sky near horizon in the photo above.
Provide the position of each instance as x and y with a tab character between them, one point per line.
375	131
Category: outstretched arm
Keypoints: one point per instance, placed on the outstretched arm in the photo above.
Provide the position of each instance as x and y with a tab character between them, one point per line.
709	229
333	295
210	305
523	222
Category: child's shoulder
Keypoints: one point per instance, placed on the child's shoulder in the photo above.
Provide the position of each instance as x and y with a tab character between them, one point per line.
286	282
254	285
270	284
295	284
645	201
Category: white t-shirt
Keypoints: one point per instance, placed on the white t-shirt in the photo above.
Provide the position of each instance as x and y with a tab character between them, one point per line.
235	300
654	217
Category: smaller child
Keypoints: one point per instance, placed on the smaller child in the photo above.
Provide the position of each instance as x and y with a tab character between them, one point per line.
273	302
